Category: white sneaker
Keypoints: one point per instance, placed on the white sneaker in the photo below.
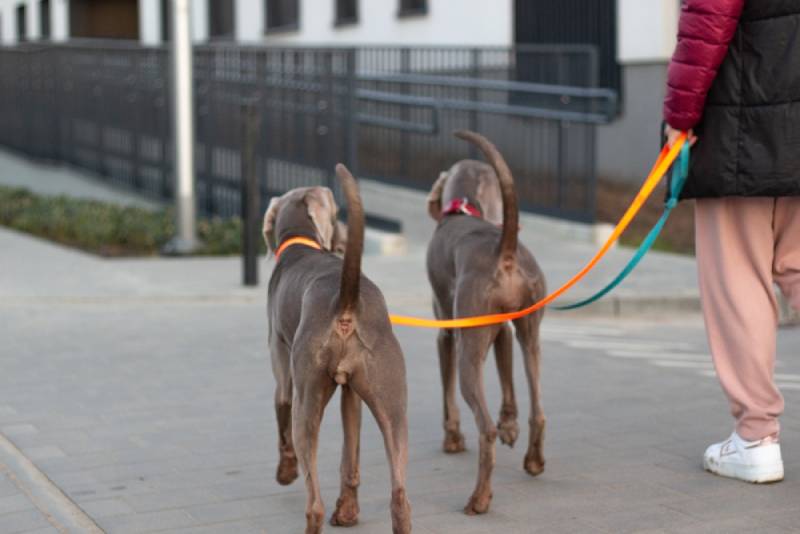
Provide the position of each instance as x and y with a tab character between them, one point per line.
758	462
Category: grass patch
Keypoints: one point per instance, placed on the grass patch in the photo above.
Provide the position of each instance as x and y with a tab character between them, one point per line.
108	229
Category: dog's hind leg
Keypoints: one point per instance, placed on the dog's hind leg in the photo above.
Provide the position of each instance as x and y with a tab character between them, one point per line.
346	513
507	426
472	345
287	466
385	395
528	336
453	438
311	396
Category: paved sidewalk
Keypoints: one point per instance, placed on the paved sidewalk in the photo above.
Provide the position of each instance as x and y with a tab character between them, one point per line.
142	389
46	179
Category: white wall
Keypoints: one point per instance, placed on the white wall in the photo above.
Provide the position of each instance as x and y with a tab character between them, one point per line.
448	22
59	19
647	30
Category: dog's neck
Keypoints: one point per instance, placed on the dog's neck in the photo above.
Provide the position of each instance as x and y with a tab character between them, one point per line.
462	206
296	241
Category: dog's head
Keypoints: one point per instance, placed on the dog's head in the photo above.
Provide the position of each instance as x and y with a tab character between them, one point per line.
473	180
303	212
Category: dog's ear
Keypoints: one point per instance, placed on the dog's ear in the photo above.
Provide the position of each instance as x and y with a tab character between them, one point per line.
490	198
322	209
339	237
435	196
268	229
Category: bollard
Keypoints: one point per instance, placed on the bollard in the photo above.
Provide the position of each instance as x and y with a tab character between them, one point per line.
250	193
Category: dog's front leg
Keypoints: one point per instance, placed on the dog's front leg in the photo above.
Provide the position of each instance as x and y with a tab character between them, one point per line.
472	345
346	513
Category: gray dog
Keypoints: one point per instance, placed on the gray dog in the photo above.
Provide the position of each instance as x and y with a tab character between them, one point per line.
476	268
329	327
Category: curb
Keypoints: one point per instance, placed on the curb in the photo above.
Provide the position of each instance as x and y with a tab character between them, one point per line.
60	510
626	307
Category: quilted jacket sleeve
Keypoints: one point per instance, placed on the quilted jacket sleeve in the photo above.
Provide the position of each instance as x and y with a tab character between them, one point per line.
705	30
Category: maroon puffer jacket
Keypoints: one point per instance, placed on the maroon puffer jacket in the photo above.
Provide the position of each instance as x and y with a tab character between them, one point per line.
705	31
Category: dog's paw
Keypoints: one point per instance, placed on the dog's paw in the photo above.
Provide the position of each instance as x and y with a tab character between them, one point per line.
478	504
287	470
508	432
533	464
346	513
454	442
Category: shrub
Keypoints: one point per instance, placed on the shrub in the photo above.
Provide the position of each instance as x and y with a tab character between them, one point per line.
108	229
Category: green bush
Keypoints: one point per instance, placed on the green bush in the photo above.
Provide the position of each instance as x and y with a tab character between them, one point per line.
108	229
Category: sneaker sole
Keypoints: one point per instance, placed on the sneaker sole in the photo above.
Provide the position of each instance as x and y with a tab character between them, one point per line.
752	475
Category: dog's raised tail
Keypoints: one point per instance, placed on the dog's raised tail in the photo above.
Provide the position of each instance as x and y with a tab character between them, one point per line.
351	268
508	240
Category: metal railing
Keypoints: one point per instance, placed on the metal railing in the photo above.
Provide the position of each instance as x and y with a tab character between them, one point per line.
386	112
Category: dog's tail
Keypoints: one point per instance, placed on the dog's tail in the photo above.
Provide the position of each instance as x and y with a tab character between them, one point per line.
351	268
508	241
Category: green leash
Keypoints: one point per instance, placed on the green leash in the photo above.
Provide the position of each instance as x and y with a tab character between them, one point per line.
680	171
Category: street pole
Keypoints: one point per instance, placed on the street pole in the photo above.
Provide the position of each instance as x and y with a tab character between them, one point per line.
185	241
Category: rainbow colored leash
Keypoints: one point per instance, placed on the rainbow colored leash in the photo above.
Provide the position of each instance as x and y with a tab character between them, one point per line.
680	171
665	159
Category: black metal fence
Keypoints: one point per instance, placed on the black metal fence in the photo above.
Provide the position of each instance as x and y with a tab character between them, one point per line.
386	112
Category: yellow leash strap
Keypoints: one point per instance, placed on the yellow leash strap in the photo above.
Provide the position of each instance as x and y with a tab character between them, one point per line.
662	165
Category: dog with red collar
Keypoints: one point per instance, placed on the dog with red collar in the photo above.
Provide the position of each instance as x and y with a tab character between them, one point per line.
477	267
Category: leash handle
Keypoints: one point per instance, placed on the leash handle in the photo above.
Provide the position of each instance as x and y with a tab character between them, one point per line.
660	168
680	171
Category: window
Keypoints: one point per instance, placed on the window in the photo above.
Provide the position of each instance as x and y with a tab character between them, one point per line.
283	15
220	19
166	20
44	19
346	12
410	8
22	24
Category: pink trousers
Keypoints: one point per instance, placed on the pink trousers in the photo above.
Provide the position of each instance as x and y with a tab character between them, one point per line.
744	247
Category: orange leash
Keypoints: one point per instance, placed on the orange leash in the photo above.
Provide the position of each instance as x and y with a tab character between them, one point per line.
662	165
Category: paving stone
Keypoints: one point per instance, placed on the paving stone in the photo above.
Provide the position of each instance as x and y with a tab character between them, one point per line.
22	521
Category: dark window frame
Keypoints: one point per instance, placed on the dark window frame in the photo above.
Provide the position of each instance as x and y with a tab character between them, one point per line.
166	20
21	23
406	8
45	20
281	26
219	33
345	19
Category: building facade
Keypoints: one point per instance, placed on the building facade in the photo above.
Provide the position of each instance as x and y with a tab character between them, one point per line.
634	38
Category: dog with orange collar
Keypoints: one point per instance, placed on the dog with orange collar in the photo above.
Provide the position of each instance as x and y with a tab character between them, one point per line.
328	328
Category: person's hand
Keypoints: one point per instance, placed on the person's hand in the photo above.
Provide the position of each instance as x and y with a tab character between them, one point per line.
672	135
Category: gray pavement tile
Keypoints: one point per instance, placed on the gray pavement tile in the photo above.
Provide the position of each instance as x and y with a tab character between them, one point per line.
19	429
7	487
144	522
106	508
22	521
44	452
15	503
147	502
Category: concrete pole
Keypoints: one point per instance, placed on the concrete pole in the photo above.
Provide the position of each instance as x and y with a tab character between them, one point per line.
183	128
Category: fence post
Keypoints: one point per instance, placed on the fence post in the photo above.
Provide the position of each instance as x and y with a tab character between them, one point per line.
250	193
351	112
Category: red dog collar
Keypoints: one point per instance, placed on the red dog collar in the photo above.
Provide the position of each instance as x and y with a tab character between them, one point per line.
462	206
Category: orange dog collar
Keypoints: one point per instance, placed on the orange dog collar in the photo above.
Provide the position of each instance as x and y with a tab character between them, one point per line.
305	241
